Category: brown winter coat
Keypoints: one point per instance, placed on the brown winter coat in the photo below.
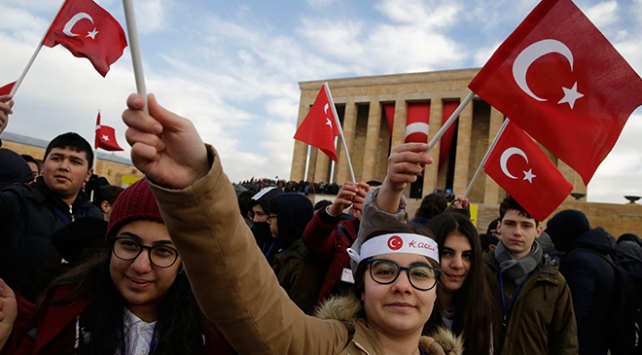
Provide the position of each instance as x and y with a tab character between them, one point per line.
235	286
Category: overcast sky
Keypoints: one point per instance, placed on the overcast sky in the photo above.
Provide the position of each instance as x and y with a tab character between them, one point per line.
233	67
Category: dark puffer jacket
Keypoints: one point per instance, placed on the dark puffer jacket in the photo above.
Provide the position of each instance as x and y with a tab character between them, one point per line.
29	216
299	272
589	276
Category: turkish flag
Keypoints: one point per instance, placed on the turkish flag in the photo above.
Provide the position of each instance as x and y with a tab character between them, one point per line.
87	30
520	167
560	79
418	116
319	127
6	90
105	137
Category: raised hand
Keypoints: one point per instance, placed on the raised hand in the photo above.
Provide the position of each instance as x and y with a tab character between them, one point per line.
8	312
5	110
350	194
165	146
405	163
460	202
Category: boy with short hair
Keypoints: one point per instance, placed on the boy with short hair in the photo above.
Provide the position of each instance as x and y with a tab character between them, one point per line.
538	315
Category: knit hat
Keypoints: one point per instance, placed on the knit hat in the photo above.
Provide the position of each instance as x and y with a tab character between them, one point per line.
135	203
566	226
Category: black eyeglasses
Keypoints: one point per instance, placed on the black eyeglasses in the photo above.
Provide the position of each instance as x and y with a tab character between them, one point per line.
423	277
271	217
126	248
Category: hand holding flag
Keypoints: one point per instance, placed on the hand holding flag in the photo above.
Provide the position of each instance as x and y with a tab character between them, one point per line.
559	79
87	30
105	137
521	168
5	105
319	127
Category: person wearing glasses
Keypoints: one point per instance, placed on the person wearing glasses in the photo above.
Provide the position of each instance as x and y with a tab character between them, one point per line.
465	301
131	298
396	269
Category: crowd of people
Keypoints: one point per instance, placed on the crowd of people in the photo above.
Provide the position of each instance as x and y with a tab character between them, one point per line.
185	262
305	187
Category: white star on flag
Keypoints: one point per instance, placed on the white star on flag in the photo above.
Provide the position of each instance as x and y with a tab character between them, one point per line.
528	175
570	95
105	138
92	34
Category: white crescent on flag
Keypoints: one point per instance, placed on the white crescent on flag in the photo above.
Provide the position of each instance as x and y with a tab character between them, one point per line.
417	127
72	22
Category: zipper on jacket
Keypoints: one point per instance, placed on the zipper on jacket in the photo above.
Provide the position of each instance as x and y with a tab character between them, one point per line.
360	347
71	213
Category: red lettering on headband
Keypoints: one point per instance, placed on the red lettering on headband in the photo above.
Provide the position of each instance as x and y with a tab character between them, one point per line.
395	242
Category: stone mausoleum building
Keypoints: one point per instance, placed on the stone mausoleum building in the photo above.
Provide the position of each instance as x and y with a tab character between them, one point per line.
117	170
379	112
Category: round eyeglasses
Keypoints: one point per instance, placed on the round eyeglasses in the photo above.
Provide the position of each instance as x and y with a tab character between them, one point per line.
423	277
126	248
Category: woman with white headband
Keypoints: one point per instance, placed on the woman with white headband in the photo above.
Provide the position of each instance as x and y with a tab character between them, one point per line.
233	282
465	303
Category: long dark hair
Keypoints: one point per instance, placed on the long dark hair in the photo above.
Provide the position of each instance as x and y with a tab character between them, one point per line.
476	311
180	324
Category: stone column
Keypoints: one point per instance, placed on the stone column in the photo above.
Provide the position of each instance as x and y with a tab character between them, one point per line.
431	173
312	164
399	127
491	189
349	130
463	149
322	167
300	155
372	139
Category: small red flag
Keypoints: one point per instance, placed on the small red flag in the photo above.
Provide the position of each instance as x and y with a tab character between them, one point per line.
87	30
6	90
559	79
105	137
521	168
319	127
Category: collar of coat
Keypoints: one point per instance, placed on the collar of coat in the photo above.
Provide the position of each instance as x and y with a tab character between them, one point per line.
346	310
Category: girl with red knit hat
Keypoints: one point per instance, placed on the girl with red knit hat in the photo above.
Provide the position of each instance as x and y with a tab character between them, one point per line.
133	297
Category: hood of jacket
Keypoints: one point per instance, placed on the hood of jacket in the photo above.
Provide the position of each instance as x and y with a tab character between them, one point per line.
13	169
597	239
294	211
347	308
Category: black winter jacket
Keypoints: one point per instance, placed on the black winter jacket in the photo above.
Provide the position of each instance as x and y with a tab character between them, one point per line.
29	216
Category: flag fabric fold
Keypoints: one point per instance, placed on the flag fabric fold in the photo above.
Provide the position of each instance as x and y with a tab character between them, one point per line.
520	167
319	127
559	79
6	90
105	137
87	30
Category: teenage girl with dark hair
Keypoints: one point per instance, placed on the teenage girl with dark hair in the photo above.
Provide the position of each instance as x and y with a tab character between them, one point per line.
131	298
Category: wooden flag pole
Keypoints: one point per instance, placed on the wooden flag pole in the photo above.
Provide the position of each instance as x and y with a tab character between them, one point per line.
137	62
343	139
485	158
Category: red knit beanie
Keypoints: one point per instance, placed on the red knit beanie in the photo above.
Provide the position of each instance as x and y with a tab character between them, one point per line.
135	203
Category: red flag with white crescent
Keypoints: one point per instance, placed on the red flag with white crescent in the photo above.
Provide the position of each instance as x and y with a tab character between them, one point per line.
319	127
105	137
559	79
521	168
87	30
